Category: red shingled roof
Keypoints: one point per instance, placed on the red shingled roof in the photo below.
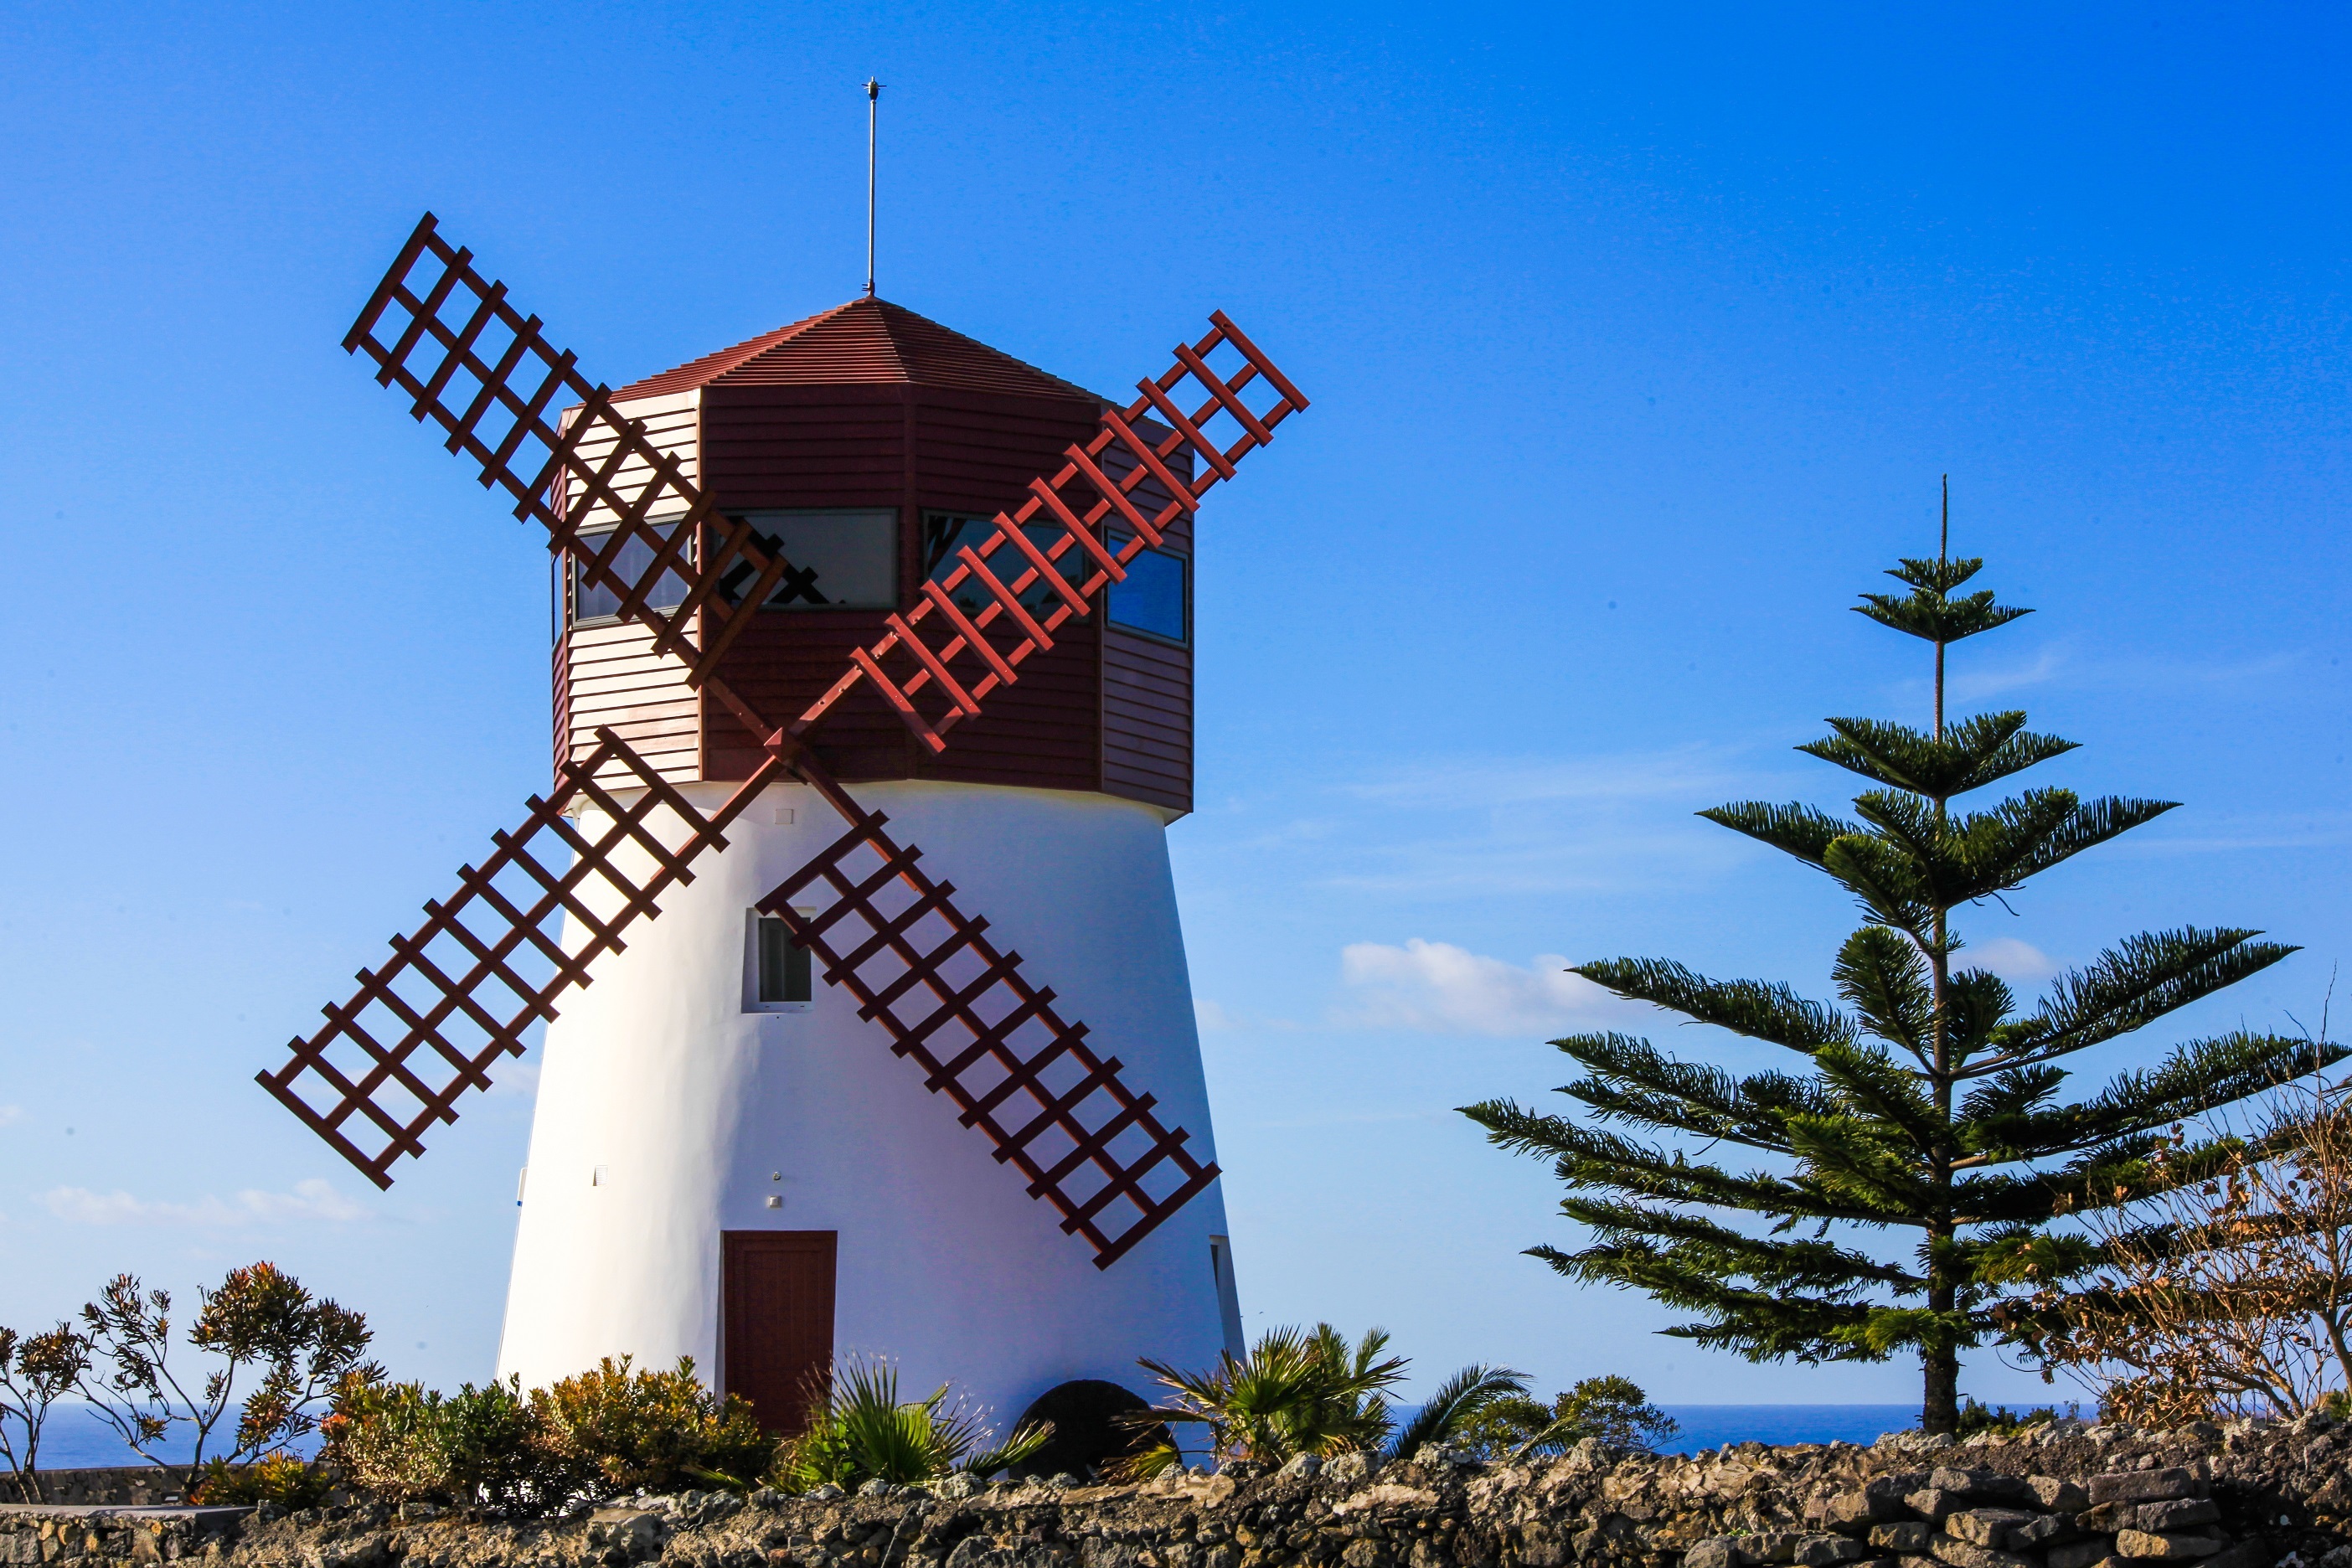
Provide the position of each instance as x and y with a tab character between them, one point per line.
865	341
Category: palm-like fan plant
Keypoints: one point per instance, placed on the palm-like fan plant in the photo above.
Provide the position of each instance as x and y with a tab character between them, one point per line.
859	1430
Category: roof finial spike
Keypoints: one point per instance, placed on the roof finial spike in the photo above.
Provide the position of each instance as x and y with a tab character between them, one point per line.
873	109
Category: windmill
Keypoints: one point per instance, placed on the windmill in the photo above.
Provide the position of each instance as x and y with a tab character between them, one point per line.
862	550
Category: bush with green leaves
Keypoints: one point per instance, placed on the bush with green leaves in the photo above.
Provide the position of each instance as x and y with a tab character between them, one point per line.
282	1478
1612	1409
656	1431
259	1322
36	1372
492	1447
859	1430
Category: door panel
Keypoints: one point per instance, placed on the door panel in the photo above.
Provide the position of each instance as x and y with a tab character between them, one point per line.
778	1324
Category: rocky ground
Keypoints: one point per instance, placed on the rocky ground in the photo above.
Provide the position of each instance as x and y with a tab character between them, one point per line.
2252	1495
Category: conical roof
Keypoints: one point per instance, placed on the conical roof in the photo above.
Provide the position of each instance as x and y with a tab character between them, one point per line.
866	342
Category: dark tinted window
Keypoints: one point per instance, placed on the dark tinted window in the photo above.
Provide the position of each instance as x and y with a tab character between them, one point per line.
593	600
840	558
1152	598
783	963
945	535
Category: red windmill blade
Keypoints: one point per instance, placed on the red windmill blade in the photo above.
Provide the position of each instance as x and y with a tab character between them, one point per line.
427	1027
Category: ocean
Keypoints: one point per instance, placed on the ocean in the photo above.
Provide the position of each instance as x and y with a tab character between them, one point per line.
77	1437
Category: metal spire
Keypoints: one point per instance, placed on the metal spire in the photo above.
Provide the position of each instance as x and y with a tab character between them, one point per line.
873	109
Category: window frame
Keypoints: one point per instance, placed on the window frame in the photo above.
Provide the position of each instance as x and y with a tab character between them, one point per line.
753	1001
897	527
571	566
1183	559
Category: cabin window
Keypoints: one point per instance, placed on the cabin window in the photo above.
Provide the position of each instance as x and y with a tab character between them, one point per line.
777	976
601	601
841	558
1153	596
945	533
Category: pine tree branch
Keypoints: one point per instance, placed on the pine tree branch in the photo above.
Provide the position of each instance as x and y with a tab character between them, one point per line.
1756	1324
1776	1264
1972	753
1884	979
1795	829
1774	1014
2199	1075
1632	1081
2129	986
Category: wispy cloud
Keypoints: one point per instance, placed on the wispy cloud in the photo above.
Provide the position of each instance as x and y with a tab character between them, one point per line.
1439	988
518	1080
11	1114
312	1200
2061	663
2019	962
1211	1014
1472	827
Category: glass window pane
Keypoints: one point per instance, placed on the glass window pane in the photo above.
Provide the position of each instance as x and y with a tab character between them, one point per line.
1152	599
944	535
840	558
784	972
591	601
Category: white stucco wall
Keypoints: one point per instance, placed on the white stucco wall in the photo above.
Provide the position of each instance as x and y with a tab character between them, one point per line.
656	1074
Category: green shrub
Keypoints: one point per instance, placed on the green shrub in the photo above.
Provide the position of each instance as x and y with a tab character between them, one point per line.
1999	1419
1612	1409
489	1446
859	1430
654	1431
277	1478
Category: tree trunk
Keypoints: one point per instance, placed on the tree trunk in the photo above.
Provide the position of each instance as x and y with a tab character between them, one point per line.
1941	1410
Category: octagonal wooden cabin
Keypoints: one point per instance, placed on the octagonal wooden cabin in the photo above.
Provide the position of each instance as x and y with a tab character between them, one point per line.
868	443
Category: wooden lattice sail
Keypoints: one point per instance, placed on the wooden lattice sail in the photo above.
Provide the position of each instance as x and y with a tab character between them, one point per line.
460	992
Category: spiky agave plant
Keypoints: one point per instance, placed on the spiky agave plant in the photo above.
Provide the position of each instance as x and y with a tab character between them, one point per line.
860	1430
1931	1102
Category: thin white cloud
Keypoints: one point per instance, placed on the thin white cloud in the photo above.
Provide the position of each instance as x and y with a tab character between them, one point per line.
518	1080
1475	828
1439	988
2019	962
312	1200
1210	1015
11	1114
1975	685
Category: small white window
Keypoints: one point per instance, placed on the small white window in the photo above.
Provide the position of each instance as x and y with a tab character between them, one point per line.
777	974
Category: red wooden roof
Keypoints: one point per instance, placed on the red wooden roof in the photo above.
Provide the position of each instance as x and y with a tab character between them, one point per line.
866	341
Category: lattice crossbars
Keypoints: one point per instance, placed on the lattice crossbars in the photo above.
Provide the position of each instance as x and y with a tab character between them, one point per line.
462	989
483	372
989	1039
1099	485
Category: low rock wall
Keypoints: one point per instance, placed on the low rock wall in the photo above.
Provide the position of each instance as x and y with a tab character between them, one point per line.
2250	1496
131	1486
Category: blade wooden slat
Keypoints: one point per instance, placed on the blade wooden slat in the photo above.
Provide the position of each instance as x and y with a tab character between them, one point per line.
441	1009
1079	498
994	1022
524	453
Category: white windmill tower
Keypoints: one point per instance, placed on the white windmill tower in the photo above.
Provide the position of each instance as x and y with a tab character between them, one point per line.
790	574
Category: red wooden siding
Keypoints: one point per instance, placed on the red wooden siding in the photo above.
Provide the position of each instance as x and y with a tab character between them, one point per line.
1147	719
777	1338
897	413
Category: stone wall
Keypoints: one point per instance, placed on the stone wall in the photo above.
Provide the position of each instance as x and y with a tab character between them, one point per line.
2250	1496
138	1486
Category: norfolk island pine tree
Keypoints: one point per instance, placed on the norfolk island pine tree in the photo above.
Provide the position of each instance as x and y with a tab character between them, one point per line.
1928	1106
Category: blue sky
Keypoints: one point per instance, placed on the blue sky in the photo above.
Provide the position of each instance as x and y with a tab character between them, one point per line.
1638	338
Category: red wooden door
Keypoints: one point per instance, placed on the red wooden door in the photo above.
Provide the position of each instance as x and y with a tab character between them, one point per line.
778	1323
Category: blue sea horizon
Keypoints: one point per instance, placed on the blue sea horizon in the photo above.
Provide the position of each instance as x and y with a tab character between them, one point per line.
78	1438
